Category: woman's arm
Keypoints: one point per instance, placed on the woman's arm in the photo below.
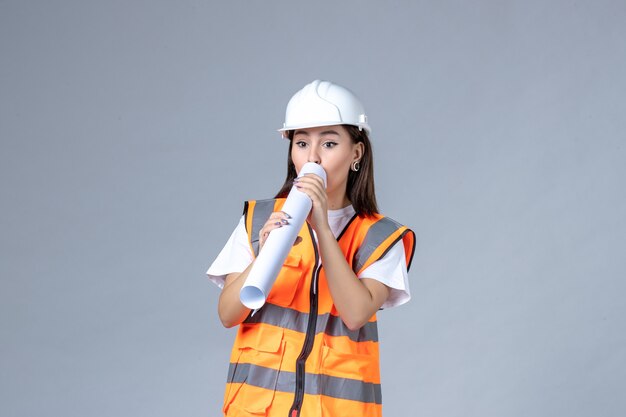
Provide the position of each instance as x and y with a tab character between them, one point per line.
356	300
229	306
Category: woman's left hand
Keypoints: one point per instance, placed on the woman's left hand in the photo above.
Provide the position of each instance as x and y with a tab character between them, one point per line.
313	186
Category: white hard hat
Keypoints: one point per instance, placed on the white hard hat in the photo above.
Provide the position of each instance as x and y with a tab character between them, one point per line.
322	103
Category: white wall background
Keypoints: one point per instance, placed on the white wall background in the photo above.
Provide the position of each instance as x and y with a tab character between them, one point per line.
131	132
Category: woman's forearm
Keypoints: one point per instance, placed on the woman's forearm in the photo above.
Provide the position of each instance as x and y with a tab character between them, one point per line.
355	300
229	307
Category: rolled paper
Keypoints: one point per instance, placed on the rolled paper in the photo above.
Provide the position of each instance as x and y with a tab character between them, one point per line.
270	260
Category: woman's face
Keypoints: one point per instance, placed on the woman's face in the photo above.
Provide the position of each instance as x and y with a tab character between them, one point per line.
332	148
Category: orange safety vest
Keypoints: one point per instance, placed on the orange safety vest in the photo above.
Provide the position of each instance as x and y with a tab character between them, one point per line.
295	356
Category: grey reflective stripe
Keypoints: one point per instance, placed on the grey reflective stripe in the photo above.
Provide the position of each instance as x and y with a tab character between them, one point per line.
263	209
399	238
367	333
326	323
280	316
350	389
330	386
375	236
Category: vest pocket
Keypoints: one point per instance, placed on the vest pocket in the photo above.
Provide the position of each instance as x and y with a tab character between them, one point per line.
347	386
261	351
287	282
348	365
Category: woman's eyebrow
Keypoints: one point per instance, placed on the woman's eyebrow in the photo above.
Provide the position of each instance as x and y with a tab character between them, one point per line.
325	132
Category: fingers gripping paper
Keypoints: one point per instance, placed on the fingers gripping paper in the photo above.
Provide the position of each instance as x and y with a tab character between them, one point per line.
278	244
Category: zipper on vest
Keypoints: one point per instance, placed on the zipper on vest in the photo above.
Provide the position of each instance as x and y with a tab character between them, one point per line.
310	335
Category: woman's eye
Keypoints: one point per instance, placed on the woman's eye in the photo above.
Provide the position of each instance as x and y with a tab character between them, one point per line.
329	144
300	144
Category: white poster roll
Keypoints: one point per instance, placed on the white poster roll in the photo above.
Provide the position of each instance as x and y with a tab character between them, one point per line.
278	244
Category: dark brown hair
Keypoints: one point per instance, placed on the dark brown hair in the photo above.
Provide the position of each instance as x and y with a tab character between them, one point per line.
360	186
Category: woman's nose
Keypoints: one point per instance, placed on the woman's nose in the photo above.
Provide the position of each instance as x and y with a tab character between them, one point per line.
314	156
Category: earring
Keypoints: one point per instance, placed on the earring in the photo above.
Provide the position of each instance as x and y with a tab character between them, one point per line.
356	166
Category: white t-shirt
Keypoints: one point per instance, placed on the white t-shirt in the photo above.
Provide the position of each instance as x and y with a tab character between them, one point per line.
390	269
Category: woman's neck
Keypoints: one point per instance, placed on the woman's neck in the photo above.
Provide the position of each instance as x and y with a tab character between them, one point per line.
338	201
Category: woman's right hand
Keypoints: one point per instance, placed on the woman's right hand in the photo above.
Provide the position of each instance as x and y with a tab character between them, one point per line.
230	309
277	219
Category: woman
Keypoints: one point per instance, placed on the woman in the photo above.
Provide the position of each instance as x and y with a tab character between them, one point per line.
312	349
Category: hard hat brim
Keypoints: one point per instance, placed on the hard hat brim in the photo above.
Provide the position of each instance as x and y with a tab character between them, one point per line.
320	124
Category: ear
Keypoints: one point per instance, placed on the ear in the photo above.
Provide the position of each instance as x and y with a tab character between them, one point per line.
359	149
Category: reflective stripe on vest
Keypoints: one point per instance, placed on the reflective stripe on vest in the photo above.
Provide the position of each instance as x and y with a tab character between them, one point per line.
372	248
332	325
262	209
347	389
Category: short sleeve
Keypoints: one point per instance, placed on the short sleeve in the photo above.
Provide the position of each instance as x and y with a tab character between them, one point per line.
234	257
391	270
